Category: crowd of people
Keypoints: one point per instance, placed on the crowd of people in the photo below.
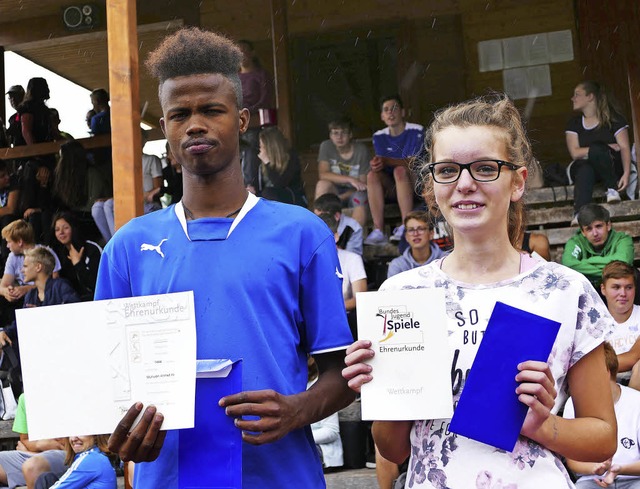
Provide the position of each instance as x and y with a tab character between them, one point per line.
296	380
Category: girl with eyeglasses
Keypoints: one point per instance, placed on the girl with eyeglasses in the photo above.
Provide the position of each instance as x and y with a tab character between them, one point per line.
478	158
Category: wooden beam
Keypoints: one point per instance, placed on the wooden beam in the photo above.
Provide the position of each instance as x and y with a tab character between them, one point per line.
125	110
101	141
3	89
281	70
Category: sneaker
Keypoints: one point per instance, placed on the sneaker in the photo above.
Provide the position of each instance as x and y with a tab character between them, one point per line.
397	234
612	196
574	221
370	465
376	237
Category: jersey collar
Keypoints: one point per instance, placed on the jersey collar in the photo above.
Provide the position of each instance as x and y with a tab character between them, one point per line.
249	204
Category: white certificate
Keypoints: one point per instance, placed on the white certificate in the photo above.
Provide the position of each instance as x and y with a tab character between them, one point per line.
412	362
85	364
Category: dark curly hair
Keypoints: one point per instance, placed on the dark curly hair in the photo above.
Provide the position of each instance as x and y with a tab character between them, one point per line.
193	51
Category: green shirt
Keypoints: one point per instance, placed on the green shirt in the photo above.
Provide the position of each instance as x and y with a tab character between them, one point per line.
20	421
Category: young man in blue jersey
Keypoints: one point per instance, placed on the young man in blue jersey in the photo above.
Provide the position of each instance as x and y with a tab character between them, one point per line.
390	176
268	300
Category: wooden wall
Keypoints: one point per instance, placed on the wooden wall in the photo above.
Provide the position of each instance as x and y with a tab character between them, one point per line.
483	21
436	42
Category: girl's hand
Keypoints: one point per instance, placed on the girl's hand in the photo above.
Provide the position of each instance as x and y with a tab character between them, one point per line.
623	182
537	391
357	371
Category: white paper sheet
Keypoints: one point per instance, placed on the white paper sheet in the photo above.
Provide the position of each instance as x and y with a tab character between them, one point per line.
490	55
85	364
412	363
560	46
536	48
531	82
515	52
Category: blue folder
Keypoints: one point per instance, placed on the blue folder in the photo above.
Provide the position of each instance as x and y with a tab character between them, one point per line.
488	409
210	454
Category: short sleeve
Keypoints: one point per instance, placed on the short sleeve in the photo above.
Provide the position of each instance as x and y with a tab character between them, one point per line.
593	323
358	272
364	158
321	303
572	125
323	153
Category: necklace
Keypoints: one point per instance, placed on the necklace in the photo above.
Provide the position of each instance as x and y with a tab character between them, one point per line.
189	215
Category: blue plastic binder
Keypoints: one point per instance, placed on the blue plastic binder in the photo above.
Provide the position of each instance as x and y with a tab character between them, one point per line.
210	454
489	410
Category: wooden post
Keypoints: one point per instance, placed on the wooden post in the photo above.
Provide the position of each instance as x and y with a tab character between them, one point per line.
126	138
3	89
281	70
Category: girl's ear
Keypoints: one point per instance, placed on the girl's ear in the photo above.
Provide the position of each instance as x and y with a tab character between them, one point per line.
519	182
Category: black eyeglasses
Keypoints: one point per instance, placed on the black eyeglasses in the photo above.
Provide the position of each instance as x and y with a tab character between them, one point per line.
480	171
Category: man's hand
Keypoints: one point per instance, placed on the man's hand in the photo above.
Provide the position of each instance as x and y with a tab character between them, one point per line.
277	415
143	444
21	447
376	163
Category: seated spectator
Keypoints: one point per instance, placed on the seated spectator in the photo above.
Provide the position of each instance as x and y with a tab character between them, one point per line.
349	230
30	459
418	229
623	470
9	198
13	286
598	142
342	168
47	291
326	432
619	288
79	257
89	465
390	176
279	175
354	277
535	243
596	244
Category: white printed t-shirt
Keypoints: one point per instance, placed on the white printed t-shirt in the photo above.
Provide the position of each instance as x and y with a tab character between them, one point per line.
627	410
624	336
440	458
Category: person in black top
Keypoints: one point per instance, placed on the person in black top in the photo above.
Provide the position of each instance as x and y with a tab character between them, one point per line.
598	141
36	174
279	176
79	258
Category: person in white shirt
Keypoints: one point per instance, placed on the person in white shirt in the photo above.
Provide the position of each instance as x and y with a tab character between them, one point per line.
623	470
619	288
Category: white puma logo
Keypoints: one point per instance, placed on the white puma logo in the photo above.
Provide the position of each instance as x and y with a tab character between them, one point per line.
338	274
149	247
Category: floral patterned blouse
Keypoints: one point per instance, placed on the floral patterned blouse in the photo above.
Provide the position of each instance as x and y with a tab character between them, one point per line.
444	460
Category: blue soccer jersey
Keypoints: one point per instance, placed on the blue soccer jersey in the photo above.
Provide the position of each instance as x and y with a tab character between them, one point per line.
407	144
266	289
